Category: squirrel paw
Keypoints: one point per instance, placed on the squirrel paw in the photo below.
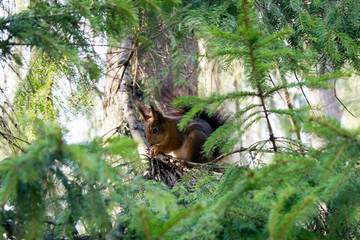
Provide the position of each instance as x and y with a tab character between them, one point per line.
154	151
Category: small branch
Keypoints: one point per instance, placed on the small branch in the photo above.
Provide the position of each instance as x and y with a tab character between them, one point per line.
289	105
22	140
71	44
255	72
342	102
91	87
302	90
165	158
171	162
145	224
8	137
185	215
343	134
114	130
341	150
261	95
242	149
125	64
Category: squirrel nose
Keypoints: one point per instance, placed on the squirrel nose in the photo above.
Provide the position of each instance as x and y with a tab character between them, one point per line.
149	142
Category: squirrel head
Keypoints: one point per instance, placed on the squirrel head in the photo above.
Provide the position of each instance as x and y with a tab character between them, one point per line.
156	125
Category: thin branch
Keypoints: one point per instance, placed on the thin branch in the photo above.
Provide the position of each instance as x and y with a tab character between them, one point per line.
354	115
145	225
185	215
273	83
341	150
266	113
6	134
287	100
115	129
302	90
125	64
338	131
254	72
71	44
8	137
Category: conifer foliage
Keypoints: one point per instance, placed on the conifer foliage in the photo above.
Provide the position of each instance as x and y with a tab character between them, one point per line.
53	186
260	53
328	28
51	189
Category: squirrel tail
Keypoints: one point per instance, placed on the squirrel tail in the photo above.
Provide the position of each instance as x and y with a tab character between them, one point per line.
169	93
216	119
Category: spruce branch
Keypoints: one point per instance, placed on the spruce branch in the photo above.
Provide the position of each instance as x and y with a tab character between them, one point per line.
172	222
255	74
333	162
145	224
291	219
334	129
262	99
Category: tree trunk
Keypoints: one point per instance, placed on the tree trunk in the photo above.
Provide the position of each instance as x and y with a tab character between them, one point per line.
147	65
126	96
113	109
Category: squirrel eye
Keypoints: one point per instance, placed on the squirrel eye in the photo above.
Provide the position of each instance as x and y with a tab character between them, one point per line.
155	130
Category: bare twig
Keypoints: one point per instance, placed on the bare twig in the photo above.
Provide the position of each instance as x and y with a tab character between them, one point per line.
125	64
8	138
342	102
294	124
114	130
6	134
302	90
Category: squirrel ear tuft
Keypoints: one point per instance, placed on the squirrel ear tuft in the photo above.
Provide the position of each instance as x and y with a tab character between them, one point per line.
156	114
144	114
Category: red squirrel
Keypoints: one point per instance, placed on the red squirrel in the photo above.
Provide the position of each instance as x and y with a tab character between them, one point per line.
163	135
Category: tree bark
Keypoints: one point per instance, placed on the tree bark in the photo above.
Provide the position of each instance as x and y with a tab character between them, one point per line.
113	109
128	107
118	104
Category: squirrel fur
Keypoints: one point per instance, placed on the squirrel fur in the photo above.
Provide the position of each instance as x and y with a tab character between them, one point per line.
164	137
